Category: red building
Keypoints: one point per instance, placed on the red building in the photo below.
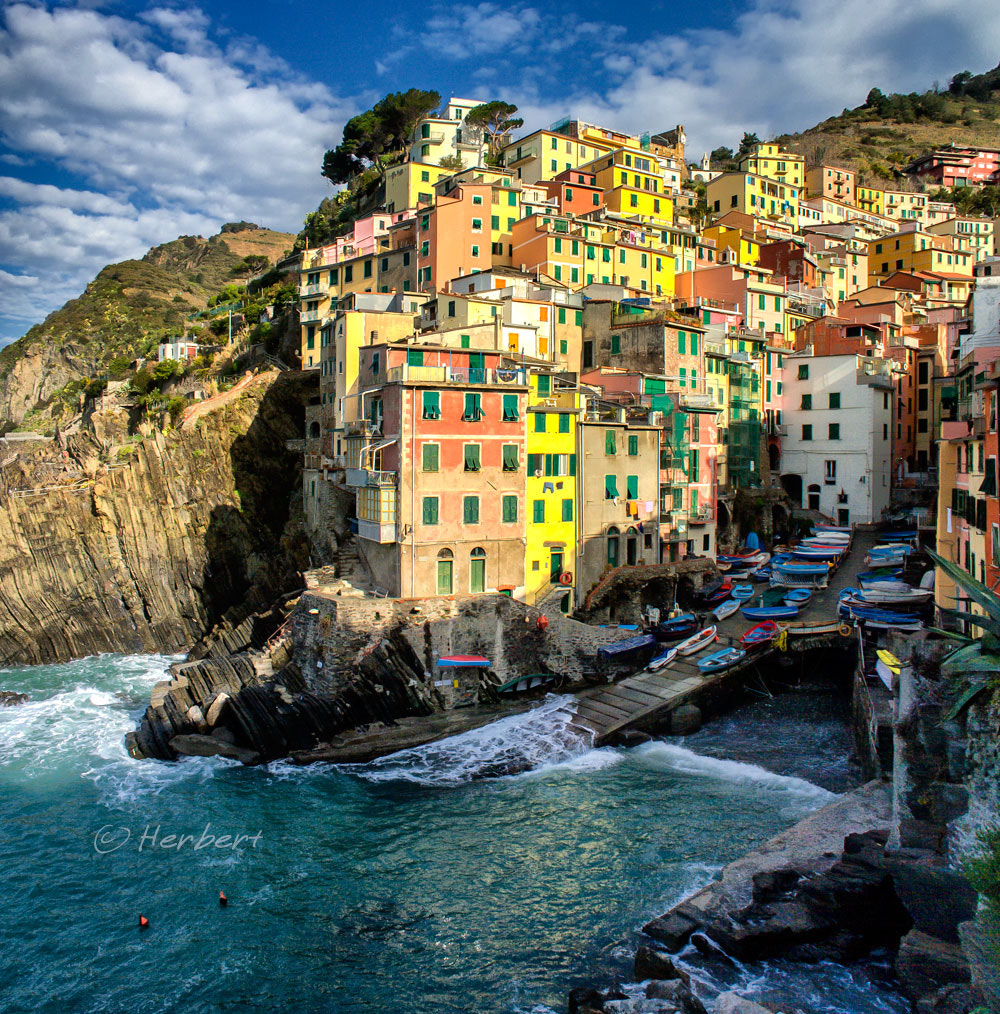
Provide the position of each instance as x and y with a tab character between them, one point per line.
956	166
792	261
576	191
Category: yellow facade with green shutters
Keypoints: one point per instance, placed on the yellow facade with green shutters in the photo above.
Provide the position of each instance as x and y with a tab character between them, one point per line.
551	507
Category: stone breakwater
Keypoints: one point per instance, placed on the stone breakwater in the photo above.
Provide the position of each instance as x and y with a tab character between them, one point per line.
150	553
357	666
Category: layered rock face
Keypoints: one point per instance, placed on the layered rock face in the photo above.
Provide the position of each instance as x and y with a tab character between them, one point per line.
150	554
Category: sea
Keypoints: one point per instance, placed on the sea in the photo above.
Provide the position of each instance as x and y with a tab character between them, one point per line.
422	882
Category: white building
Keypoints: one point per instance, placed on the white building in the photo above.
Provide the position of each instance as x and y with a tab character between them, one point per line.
984	307
178	348
837	455
436	137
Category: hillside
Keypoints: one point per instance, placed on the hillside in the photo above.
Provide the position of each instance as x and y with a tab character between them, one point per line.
124	312
881	136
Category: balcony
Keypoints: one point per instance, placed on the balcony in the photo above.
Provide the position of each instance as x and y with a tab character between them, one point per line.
375	531
702	516
432	136
696	401
363	427
369	477
527	152
312	290
310	317
876	373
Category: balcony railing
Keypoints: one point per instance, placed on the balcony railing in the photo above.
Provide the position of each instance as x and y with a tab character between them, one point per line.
434	136
692	399
369	477
375	531
312	290
311	317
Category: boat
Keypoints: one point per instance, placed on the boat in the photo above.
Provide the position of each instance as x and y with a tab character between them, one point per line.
770	612
720	594
699	641
760	633
881	617
529	682
878	593
724	609
807	629
817	552
879	574
752	558
882	559
887	666
761	573
742	592
802	568
831	536
900	535
463	662
621	651
663	659
797	596
889	552
711	588
824	527
677	626
724	658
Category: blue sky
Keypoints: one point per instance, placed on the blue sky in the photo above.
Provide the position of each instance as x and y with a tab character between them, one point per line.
123	125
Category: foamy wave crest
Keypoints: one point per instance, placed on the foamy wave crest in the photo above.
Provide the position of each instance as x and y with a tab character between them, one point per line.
678	758
510	746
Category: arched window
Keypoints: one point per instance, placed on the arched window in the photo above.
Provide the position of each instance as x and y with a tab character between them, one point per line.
446	554
314	430
613	546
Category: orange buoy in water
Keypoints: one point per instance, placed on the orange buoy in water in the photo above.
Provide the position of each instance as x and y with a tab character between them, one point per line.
143	922
223	900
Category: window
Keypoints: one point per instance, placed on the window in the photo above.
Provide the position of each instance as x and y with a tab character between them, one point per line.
475	251
831	473
544	385
470	510
510	457
682	343
803	371
431	457
432	404
539	422
477	199
538	512
633	445
509	507
473	408
510	408
472	458
632	487
348	273
834	399
834	431
616	344
610	487
477	225
807	432
430	512
567	510
610	443
564	420
693	466
807	402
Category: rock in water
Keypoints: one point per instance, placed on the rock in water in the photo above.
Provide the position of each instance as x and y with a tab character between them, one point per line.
9	699
687	718
733	1003
196	745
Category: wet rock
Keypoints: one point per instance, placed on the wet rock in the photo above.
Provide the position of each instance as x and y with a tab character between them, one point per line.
678	993
733	1003
937	898
10	699
215	709
196	745
925	963
654	964
673	929
639	1006
685	719
953	999
585	1000
196	717
224	735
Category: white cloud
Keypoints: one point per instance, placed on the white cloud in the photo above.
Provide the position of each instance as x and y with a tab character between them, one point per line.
167	131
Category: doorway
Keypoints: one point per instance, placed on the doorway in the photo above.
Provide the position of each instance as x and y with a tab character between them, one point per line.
813	492
477	570
631	547
843	516
556	566
444	572
612	546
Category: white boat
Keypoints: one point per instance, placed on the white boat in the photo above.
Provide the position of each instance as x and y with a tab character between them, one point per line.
663	659
726	608
696	642
896	596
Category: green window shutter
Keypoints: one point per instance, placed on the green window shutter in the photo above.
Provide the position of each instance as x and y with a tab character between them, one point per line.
550	464
495	221
579	318
472	457
563	346
510	457
632	487
562	314
572	464
610	486
539	422
431	457
567	510
432	404
616	344
807	432
633	445
807	402
464	341
677	498
693	467
835	399
834	431
532	464
430	510
510	508
609	442
538	512
557	245
564	422
694	344
470	510
414	357
512	200
510	408
682	343
544	384
473	408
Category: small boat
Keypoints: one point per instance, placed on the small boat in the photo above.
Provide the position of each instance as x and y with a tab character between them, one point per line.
887	666
882	617
797	596
888	555
663	659
721	659
463	662
801	568
879	574
749	558
760	633
877	593
720	594
529	682
817	552
676	627
622	651
823	527
707	590
699	641
742	592
761	573
770	612
828	536
724	609
900	535
806	629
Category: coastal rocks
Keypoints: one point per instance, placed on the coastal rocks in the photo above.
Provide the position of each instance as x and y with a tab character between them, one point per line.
678	992
733	1003
653	964
924	963
685	719
10	699
194	745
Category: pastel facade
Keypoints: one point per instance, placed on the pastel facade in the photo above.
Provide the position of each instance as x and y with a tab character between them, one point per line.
831	181
544	154
769	161
449	135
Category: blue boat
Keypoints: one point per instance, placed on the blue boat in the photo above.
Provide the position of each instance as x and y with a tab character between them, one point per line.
677	627
881	574
742	592
797	596
898	536
721	659
770	612
622	651
817	553
877	615
761	573
801	568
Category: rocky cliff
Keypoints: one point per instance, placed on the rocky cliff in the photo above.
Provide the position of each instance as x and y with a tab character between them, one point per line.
195	526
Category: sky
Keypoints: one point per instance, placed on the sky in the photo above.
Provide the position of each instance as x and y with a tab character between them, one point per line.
124	125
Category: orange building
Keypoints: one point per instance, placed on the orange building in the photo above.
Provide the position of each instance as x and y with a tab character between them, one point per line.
453	237
575	191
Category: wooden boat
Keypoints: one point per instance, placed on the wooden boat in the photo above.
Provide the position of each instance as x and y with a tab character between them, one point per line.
797	596
742	592
901	535
463	662
529	682
823	527
887	666
817	552
802	568
761	573
707	590
879	574
879	593
720	594
622	651
760	633
724	658
806	629
882	617
770	612
829	536
724	609
663	659
676	627
699	641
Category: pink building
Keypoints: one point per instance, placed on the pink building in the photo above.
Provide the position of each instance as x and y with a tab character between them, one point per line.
369	236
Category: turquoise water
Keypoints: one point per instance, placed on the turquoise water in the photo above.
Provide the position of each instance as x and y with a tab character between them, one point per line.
409	884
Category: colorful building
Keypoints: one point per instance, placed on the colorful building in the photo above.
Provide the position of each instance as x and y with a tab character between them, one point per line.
769	161
831	181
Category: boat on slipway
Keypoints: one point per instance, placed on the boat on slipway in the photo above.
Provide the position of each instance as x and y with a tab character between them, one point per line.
698	642
724	658
724	609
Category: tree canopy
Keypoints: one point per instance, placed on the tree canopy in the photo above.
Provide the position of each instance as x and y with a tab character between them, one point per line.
749	140
496	119
376	135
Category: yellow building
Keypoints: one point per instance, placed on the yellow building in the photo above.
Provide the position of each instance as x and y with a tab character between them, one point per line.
753	195
769	161
916	250
905	206
870	199
544	154
978	231
633	185
411	185
554	406
742	247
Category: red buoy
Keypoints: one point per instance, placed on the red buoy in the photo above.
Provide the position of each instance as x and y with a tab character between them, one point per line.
542	622
223	900
143	922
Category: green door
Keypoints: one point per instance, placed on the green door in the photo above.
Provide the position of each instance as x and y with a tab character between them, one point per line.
613	551
477	575
557	564
444	577
477	371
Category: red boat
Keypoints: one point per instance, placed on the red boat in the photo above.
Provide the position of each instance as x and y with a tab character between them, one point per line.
760	633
